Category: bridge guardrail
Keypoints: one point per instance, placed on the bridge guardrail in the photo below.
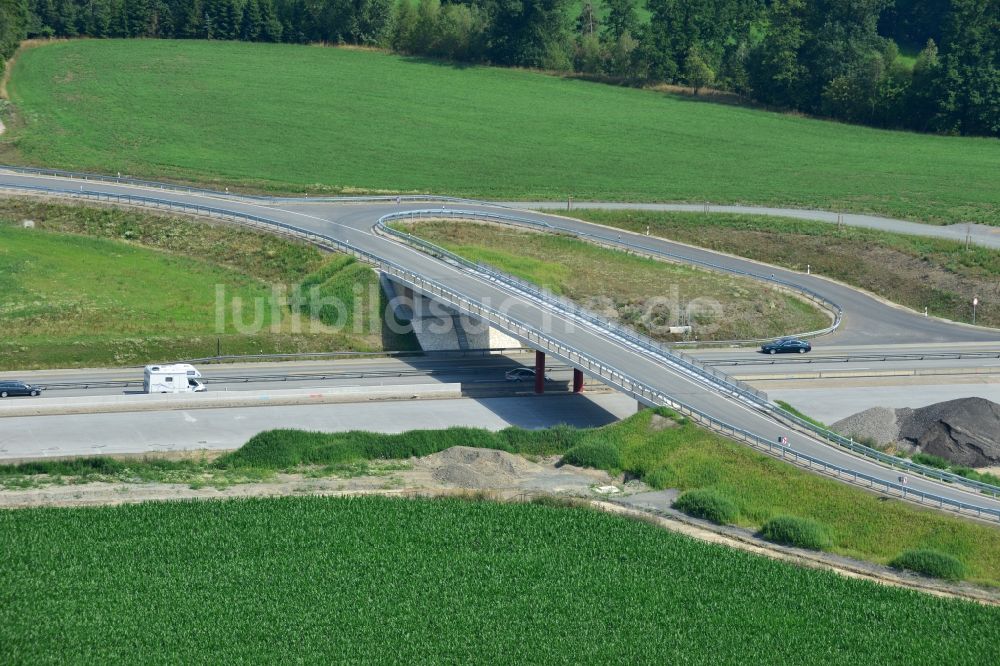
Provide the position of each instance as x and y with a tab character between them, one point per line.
567	306
672	355
173	187
641	249
636	389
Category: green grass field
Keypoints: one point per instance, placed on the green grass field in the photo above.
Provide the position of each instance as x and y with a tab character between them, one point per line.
914	271
314	119
379	580
90	287
666	451
646	294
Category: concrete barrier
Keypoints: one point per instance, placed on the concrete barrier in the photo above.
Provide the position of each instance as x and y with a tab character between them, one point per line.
222	399
860	374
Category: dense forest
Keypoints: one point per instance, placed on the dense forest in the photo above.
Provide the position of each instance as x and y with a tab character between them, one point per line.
926	65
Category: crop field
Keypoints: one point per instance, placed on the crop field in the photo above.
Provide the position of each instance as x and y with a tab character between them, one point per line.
914	271
647	294
296	118
431	581
89	287
682	456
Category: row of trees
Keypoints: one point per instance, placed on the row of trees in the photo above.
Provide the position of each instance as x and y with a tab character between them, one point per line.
837	58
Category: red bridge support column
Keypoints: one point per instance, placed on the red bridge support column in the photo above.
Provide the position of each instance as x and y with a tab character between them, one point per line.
539	372
577	380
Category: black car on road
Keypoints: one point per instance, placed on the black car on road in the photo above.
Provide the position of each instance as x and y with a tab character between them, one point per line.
785	346
9	388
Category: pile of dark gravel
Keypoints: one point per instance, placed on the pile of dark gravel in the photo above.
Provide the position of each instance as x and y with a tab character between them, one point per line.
965	431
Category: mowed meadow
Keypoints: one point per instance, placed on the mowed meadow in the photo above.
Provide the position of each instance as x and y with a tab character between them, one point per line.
312	119
91	287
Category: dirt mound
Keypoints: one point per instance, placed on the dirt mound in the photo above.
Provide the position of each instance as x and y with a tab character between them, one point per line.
964	431
467	467
878	424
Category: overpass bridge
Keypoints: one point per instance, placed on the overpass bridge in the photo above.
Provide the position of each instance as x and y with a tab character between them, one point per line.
652	374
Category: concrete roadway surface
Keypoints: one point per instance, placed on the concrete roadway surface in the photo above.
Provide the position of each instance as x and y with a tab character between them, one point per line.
488	372
479	375
867	318
223	429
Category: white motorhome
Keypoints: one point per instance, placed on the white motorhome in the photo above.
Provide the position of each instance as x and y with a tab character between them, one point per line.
177	378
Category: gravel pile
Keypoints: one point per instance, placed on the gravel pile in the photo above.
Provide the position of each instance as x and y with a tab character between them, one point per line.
467	467
965	431
878	424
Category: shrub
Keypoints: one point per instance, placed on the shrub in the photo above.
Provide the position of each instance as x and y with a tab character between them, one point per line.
970	473
282	449
708	504
599	455
799	532
660	478
930	563
931	460
72	467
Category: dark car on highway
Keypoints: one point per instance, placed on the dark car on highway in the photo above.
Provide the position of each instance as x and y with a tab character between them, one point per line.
8	388
785	346
523	375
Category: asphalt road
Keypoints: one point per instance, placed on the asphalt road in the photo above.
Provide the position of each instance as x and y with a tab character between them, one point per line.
979	234
222	429
488	373
352	224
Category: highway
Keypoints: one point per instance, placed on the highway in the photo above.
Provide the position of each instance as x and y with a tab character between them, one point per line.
867	320
225	429
484	375
824	389
479	376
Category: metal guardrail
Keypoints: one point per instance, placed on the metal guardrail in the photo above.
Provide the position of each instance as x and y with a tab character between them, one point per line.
566	306
814	296
173	187
636	389
671	356
865	358
452	353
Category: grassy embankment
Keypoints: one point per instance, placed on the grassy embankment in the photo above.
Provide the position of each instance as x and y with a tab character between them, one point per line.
299	118
914	271
646	294
667	452
391	580
95	287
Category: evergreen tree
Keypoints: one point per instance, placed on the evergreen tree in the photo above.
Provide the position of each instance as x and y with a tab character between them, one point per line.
139	14
622	17
528	33
775	72
251	23
13	26
968	79
922	105
587	23
372	22
270	26
660	45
